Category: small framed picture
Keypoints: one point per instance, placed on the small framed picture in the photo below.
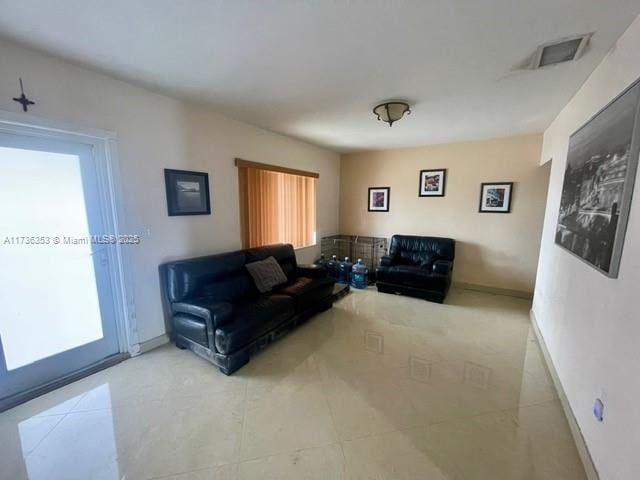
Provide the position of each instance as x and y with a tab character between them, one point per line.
187	192
379	199
495	197
432	183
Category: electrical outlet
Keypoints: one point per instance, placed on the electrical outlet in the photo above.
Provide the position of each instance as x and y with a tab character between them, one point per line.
598	410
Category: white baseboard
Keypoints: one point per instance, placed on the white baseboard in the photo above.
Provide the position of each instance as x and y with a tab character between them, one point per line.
152	343
578	438
494	290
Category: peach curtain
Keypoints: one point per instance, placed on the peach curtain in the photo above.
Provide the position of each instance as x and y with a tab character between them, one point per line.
277	207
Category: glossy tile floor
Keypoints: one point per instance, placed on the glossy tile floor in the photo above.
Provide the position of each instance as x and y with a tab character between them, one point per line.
379	387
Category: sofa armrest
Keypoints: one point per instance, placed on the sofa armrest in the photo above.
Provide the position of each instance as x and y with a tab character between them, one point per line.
311	271
443	267
386	261
212	312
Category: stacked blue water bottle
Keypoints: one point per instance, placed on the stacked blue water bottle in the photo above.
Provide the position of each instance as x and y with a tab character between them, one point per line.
345	271
334	267
359	275
322	261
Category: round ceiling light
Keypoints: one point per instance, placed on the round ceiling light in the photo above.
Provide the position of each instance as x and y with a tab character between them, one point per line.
391	111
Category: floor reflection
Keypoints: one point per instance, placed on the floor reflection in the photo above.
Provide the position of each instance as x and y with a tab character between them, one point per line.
59	442
380	386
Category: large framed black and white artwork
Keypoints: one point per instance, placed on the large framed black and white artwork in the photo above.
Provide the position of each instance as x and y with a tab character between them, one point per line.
598	184
379	199
432	183
187	192
495	197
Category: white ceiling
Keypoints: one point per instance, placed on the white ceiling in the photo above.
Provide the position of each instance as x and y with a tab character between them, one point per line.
314	69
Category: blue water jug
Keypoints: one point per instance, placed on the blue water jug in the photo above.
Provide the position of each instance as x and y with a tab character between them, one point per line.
334	267
359	275
345	271
322	261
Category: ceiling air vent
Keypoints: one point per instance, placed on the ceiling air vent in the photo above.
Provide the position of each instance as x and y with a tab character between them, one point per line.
564	50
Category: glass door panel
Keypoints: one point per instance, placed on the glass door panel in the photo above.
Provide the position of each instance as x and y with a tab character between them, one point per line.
55	278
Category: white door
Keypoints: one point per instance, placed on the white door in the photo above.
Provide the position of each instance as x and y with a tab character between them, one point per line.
56	294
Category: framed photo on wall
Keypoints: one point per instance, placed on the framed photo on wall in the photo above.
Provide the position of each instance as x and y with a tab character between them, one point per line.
495	197
187	192
432	183
379	199
602	162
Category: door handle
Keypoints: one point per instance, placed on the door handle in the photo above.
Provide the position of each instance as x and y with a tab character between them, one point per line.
103	257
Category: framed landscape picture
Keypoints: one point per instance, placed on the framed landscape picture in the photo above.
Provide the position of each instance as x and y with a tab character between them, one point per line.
432	183
379	199
598	184
187	192
495	197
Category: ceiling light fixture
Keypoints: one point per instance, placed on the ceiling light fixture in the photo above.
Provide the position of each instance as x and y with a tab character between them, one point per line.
391	111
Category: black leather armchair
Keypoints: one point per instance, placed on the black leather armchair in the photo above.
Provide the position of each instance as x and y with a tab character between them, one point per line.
215	310
417	266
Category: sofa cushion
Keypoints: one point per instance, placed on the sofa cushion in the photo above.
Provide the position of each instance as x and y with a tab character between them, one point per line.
421	250
312	271
252	318
266	274
307	292
222	277
231	288
423	259
191	327
413	276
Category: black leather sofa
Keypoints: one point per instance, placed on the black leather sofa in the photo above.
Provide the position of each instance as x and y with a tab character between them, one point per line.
417	266
217	312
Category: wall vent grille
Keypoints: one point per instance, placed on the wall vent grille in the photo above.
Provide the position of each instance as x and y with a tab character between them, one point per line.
563	50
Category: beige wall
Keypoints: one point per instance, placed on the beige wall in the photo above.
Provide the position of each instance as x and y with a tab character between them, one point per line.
497	250
591	323
156	132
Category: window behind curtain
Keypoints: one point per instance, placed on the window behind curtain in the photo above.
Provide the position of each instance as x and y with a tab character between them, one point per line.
277	207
